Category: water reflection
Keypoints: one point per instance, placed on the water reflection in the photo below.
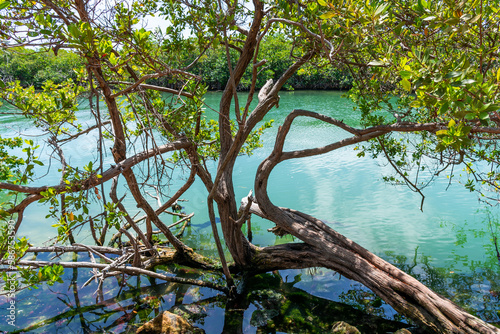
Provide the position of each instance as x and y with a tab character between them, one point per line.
268	303
477	290
306	301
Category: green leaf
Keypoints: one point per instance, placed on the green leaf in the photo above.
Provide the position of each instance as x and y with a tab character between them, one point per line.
484	115
322	3
453	21
453	74
406	84
444	107
405	74
327	15
490	107
73	30
4	4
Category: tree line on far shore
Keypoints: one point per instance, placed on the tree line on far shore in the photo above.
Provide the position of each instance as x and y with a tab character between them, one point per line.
33	67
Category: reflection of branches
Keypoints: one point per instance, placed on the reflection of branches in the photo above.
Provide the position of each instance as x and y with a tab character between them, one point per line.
113	306
130	221
494	236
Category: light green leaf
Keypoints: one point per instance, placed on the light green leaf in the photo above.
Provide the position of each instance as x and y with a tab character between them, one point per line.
406	84
475	18
380	9
468	81
376	63
327	15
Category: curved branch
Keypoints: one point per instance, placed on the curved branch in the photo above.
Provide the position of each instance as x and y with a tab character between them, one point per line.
360	134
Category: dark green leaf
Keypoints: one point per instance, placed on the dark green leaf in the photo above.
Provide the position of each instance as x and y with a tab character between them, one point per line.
4	4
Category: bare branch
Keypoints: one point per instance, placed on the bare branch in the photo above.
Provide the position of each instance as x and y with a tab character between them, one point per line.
122	268
152	87
74	248
152	76
410	184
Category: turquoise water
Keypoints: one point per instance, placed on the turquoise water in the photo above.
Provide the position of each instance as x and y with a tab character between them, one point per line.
447	245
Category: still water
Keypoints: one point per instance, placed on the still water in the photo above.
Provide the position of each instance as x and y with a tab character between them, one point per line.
447	245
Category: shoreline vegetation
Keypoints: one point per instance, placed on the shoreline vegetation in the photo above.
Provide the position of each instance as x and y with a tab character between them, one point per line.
34	67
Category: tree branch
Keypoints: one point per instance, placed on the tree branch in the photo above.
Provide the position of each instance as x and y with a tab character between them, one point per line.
106	176
122	268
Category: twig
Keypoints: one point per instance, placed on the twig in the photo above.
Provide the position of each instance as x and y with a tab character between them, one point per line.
137	258
177	222
410	184
107	259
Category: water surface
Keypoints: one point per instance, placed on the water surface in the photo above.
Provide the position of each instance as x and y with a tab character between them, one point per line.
447	245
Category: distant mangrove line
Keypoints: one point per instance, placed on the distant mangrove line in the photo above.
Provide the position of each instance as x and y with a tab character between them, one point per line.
32	68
